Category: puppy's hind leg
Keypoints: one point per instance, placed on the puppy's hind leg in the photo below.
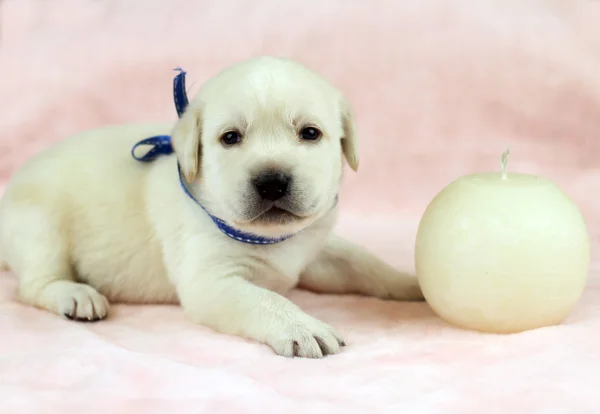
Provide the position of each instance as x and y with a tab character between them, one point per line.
39	255
343	267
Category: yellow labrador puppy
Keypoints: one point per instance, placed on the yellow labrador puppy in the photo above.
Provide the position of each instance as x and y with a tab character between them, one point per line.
259	155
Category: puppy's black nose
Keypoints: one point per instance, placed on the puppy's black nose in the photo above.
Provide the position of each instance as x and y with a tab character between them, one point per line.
271	185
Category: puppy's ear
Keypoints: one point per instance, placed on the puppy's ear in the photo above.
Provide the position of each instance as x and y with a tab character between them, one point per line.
186	141
350	138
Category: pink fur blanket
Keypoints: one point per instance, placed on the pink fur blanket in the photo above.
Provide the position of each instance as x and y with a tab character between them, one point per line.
440	89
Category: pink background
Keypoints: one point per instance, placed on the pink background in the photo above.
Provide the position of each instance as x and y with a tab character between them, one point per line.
440	89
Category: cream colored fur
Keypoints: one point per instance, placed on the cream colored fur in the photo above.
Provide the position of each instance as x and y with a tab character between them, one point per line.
83	224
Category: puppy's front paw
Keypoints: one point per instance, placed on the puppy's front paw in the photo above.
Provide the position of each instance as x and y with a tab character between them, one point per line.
82	303
305	337
75	301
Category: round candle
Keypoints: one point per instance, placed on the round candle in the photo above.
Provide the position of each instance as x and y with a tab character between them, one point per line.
502	252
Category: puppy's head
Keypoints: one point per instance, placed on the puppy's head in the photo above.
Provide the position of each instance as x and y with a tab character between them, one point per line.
262	143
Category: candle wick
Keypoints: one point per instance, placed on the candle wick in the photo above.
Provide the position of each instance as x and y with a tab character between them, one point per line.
504	161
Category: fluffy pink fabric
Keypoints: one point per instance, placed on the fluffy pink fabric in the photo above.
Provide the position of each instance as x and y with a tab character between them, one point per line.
440	89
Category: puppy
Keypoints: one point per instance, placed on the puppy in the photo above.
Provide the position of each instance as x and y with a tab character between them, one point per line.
259	153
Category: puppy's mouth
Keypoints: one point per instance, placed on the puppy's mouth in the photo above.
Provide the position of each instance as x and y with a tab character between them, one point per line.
260	215
276	215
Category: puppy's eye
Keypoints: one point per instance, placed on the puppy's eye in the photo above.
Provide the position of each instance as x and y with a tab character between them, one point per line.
310	134
231	138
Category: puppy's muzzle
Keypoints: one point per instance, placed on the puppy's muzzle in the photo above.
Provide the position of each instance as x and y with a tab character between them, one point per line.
272	185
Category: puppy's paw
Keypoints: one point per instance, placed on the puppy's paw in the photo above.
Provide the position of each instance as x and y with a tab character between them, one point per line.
407	291
397	286
80	302
305	337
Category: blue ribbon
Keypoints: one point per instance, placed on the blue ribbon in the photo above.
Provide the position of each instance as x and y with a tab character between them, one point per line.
179	93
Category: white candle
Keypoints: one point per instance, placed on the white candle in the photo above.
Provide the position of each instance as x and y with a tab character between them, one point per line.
502	252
